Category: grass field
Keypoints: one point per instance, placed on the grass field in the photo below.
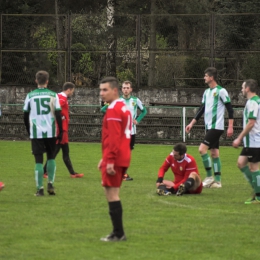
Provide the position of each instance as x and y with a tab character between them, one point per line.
213	225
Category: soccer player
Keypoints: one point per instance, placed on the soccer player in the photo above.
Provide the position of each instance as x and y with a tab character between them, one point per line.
133	104
68	90
41	112
2	185
248	161
214	101
185	171
116	153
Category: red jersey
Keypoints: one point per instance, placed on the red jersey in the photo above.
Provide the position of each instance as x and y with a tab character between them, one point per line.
116	134
64	111
181	169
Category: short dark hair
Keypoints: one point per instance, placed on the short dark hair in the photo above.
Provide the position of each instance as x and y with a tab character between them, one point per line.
212	72
68	85
251	84
180	148
113	82
42	77
128	82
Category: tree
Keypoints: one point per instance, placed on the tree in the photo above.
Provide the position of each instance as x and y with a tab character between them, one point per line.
59	37
111	39
152	47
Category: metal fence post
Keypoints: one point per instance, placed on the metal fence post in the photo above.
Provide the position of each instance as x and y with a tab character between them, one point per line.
183	124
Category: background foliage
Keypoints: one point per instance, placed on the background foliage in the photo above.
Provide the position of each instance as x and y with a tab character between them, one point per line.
154	43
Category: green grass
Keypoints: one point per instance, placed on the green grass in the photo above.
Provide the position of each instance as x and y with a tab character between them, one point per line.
213	225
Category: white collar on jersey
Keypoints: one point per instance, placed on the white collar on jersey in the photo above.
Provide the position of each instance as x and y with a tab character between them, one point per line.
114	102
181	159
63	94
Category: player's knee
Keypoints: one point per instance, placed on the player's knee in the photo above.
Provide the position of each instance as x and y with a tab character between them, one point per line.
196	178
202	150
193	175
214	154
240	165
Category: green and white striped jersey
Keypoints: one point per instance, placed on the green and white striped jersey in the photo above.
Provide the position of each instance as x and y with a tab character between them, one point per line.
214	100
252	111
134	103
42	103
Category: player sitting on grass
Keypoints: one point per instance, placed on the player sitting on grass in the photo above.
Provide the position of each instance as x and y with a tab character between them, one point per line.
185	171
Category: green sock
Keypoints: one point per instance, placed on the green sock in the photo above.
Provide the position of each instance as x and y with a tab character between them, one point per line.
51	169
248	174
38	175
256	183
207	164
217	169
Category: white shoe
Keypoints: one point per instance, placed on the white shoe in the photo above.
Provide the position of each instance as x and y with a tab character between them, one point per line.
208	181
216	184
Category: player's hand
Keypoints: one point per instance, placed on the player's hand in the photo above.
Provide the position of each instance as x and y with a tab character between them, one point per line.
59	137
236	143
110	169
188	128
135	122
230	131
159	180
99	164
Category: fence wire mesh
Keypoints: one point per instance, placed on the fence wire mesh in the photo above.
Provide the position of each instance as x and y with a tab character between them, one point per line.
160	125
150	50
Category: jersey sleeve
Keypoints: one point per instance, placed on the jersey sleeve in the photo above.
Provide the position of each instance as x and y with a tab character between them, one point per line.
26	107
57	102
139	104
253	110
62	100
203	98
224	96
143	110
165	166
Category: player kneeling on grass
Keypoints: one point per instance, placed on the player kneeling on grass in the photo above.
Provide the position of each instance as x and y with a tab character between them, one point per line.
185	171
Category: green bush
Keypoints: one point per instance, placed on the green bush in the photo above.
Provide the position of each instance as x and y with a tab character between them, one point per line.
251	67
194	69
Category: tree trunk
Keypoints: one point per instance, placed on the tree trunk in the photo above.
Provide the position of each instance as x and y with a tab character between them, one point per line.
152	47
111	39
60	70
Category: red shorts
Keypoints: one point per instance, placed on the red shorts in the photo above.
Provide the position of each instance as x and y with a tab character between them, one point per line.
65	138
112	180
197	191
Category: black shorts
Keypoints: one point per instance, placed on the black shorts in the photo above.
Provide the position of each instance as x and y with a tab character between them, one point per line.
212	137
252	154
132	142
40	146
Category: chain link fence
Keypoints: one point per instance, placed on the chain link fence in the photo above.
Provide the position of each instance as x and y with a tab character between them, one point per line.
150	50
164	125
